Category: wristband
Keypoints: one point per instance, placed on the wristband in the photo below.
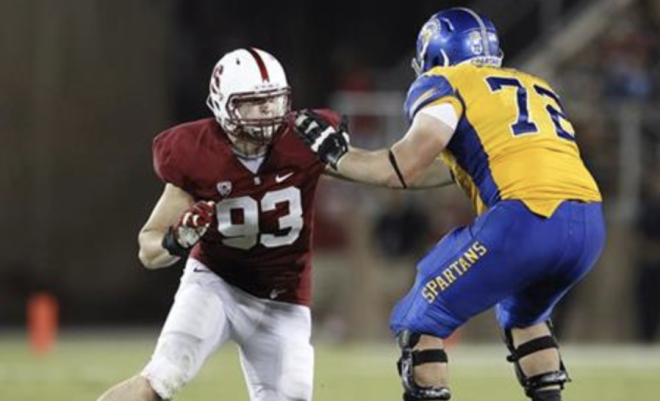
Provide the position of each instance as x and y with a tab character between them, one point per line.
172	245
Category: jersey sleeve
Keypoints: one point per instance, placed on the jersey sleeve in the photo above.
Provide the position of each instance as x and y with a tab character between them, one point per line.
430	89
330	116
168	161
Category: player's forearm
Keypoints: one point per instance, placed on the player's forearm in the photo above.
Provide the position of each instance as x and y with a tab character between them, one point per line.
370	167
152	254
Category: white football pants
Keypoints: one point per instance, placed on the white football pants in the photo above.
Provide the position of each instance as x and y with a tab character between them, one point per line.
273	338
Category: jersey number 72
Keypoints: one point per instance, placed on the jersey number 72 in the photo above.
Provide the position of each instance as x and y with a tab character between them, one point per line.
524	124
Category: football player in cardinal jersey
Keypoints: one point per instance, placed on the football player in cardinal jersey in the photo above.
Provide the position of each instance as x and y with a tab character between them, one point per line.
238	205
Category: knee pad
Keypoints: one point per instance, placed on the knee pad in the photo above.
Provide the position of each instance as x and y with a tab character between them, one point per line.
173	364
532	384
411	358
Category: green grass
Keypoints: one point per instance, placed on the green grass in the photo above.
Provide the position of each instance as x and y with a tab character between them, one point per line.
82	367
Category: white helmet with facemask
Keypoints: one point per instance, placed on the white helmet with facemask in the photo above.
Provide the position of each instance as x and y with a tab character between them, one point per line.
249	95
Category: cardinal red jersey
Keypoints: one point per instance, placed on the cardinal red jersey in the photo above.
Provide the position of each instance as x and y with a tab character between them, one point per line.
261	237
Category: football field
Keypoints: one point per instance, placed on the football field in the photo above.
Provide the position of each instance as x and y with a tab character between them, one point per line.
83	366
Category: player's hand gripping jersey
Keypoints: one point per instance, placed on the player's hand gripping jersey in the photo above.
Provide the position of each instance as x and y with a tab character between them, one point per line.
260	240
513	139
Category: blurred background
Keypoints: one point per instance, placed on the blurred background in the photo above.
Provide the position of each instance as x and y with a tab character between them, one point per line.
85	85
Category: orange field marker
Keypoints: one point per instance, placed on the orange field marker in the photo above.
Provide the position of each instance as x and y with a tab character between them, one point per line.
43	322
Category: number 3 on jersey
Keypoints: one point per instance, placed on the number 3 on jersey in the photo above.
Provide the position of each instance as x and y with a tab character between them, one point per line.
246	234
524	124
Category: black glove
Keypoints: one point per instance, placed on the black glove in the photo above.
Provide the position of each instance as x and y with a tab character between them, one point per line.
329	143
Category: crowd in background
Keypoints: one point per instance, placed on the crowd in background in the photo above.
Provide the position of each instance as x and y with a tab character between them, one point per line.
617	76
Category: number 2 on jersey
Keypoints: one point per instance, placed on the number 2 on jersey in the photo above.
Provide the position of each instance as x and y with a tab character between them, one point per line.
524	124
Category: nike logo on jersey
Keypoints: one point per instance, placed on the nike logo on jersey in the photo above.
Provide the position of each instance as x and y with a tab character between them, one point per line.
281	178
275	293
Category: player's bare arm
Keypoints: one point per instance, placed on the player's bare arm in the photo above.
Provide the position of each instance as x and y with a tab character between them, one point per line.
410	163
437	175
174	226
172	203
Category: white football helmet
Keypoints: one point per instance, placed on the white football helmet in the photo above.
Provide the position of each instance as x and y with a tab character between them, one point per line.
249	95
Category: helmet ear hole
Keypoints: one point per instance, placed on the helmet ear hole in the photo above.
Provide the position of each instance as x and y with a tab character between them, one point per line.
437	61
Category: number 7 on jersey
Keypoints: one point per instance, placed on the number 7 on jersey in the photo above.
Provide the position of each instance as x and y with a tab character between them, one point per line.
524	123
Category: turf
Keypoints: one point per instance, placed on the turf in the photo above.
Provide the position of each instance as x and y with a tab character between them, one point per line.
82	367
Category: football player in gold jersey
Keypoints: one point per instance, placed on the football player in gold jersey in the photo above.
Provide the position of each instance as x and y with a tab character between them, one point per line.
510	146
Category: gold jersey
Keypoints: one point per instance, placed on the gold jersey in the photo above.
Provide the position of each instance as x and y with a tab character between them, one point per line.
513	139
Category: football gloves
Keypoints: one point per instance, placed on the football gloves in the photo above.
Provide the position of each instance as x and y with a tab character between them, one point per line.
329	143
190	228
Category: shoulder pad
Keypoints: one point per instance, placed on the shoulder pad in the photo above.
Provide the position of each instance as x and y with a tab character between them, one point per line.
173	152
330	115
426	89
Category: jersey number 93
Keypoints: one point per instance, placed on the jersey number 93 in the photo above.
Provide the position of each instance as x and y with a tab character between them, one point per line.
245	235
